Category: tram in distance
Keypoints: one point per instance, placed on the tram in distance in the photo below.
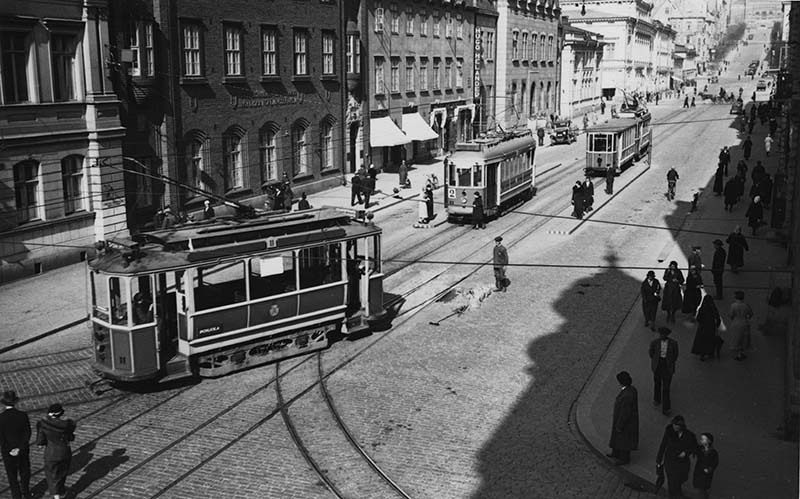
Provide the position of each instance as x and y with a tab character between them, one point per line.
214	297
500	168
619	142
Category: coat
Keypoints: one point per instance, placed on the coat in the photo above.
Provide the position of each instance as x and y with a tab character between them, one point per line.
691	297
718	177
673	298
588	192
477	208
706	460
578	199
499	256
625	421
737	245
708	321
718	261
654	351
747	146
651	292
672	446
55	434
754	215
739	328
15	431
731	191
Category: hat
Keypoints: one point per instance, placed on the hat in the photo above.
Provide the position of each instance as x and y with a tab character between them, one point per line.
9	397
624	378
678	420
650	273
55	410
717	242
694	247
498	239
709	436
664	330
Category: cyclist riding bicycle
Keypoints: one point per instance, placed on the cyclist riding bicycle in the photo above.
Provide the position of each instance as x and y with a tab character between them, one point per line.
672	179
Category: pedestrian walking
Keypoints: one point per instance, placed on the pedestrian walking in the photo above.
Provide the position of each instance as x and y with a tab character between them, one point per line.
691	295
695	258
658	94
303	204
706	464
708	322
577	200
372	173
55	434
651	295
355	190
737	245
367	188
740	314
755	214
499	261
208	210
693	105
540	135
602	106
588	193
747	146
718	267
725	158
765	190
767	144
773	125
677	444
423	208
750	125
15	436
673	298
718	179
686	102
624	421
758	172
609	179
663	353
477	212
169	218
402	173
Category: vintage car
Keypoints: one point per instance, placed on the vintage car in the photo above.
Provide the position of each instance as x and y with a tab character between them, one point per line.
737	107
563	133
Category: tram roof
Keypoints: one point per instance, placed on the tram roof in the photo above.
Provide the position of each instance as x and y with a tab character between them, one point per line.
190	245
488	149
613	125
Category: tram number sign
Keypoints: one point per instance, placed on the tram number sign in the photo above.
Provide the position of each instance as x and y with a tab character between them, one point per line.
451	193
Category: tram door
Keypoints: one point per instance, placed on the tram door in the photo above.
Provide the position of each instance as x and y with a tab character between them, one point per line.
491	185
166	312
353	267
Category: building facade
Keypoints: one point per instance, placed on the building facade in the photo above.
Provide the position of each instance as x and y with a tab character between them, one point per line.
528	59
581	59
60	136
485	66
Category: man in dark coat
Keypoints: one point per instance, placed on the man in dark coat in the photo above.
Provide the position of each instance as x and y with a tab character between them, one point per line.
588	193
303	204
718	178
355	190
477	212
677	445
737	245
540	134
747	146
499	261
718	267
609	179
55	434
15	435
651	294
663	356
367	188
725	158
765	190
577	200
755	214
625	421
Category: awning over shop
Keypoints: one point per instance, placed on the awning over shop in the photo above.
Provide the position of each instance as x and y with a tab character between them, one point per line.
384	133
416	128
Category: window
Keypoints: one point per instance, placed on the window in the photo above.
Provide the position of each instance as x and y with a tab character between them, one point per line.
550	48
197	153
269	51
436	24
191	50
534	52
353	54
395	21
327	53
299	148
379	83
139	40
395	74
409	21
319	265
459	27
423	24
233	51
448	26
489	47
423	74
436	73
515	45
459	73
62	52
268	152
71	180
234	163
133	45
300	53
220	285
409	74
326	143
27	191
149	53
542	52
13	67
448	73
524	48
379	20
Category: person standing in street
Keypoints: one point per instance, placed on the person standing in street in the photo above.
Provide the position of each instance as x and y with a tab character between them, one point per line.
725	158
737	245
15	436
609	179
208	210
355	190
367	187
677	444
718	267
287	197
708	322
402	173
477	212
765	190
577	200
625	421
755	214
673	281
55	434
651	295
429	201
540	135
692	293
767	144
718	179
663	353
706	464
588	193
499	261
686	102
747	146
303	204
695	258
740	314
731	193
757	173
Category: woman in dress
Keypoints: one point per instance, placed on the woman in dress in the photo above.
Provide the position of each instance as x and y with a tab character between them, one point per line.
707	462
707	323
740	315
673	299
737	245
56	434
718	179
691	296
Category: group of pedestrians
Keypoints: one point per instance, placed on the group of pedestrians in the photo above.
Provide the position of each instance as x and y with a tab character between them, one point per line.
53	432
582	197
362	185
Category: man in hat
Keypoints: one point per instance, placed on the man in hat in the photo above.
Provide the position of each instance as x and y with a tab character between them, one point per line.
718	266
663	356
500	260
695	259
625	421
208	210
477	212
15	435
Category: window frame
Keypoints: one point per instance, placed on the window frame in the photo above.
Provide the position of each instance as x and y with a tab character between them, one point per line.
410	76
72	183
328	53
380	76
31	188
269	53
300	149
423	74
409	21
233	160
268	151
68	75
194	30
353	54
300	39
19	81
436	85
326	143
394	73
233	50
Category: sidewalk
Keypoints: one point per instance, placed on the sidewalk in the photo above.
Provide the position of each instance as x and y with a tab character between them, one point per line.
740	403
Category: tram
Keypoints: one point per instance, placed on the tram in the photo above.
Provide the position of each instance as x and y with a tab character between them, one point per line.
500	168
214	297
619	142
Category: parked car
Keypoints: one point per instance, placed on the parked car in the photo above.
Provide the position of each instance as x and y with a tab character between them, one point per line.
563	133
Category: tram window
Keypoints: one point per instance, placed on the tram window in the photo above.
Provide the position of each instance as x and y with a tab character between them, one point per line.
600	143
374	256
272	275
464	176
142	292
451	173
319	265
219	285
477	177
100	296
118	294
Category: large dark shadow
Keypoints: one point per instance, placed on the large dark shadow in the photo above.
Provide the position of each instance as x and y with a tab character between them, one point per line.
95	470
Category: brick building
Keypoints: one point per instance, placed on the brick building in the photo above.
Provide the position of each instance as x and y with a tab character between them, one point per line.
229	97
60	136
528	48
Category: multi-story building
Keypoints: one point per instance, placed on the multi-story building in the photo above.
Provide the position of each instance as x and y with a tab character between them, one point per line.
229	98
685	66
663	49
695	23
528	58
485	67
581	58
60	135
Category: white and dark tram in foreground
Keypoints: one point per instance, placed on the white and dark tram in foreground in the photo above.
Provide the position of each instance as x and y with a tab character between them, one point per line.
214	297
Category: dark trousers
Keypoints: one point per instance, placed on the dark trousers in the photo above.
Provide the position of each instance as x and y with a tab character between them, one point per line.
355	193
500	278
622	455
367	193
661	381
610	185
541	141
717	282
674	487
56	474
477	221
18	470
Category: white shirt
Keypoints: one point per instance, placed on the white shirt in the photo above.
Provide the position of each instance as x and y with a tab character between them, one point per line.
664	344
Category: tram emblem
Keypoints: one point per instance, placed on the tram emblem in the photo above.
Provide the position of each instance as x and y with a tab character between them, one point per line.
274	310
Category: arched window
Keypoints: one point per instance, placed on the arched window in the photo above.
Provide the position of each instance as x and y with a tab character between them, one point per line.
72	182
196	159
542	49
28	191
534	48
326	142
233	157
268	148
300	162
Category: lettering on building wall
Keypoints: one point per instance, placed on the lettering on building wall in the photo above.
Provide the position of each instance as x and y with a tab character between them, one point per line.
476	87
265	99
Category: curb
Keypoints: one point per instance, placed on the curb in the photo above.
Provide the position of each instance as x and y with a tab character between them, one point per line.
38	337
